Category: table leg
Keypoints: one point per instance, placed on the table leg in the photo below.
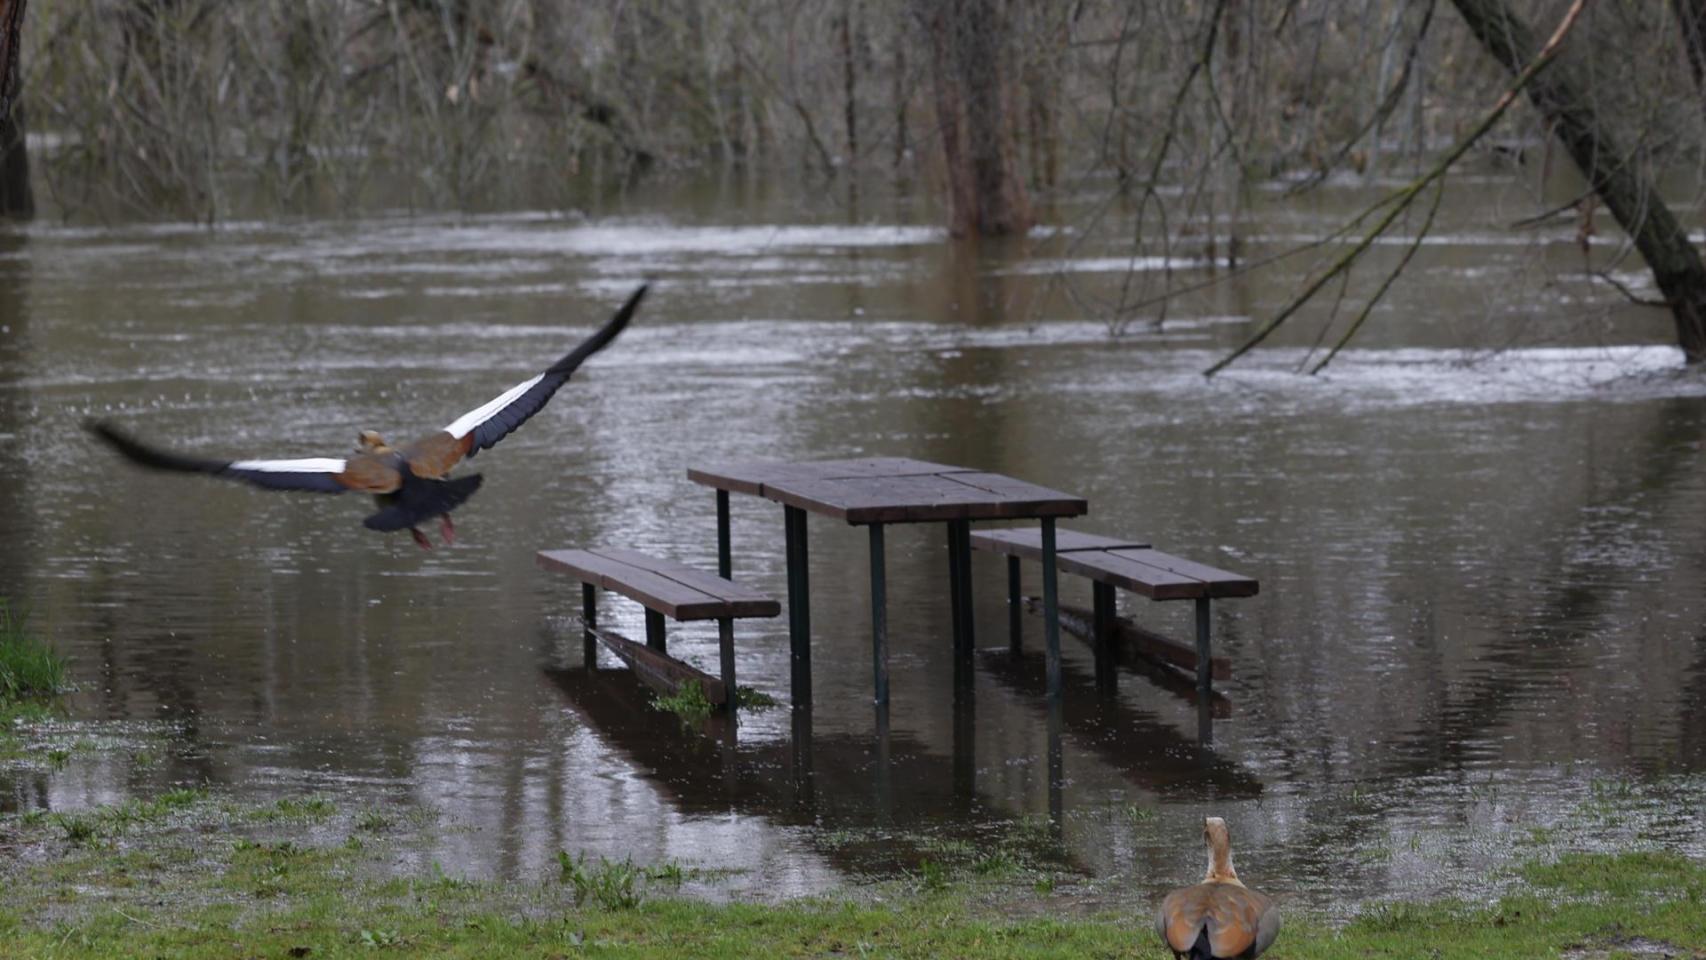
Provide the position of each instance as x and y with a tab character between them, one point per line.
725	567
954	587
589	617
799	607
1051	610
879	617
1204	667
726	660
1015	611
962	531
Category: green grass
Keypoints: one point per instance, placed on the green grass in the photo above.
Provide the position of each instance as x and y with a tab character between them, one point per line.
28	667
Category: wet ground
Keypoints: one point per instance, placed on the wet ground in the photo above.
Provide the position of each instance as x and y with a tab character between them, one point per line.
1480	535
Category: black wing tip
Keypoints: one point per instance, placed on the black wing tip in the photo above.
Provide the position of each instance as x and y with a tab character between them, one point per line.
604	335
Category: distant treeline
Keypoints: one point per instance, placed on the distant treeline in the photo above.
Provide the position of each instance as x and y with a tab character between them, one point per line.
163	105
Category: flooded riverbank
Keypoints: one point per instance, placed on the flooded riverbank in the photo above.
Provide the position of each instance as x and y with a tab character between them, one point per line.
1477	533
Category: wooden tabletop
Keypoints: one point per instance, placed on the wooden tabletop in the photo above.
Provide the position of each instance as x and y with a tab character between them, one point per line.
891	490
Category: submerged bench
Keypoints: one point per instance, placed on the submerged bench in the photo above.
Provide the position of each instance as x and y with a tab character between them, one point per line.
664	588
1128	564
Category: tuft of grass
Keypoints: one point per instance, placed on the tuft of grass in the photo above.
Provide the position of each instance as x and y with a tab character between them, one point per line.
28	666
298	808
746	698
613	885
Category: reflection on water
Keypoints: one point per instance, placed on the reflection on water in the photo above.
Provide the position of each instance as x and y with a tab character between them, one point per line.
1480	567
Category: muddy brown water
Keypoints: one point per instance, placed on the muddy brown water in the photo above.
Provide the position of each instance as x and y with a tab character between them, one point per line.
1481	538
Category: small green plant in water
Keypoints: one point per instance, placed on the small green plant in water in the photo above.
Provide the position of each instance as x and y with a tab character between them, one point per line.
689	703
611	885
28	667
746	698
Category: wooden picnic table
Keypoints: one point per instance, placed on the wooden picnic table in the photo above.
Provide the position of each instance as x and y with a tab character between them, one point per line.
874	492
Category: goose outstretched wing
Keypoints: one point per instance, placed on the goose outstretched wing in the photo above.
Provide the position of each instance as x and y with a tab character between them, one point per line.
490	422
317	474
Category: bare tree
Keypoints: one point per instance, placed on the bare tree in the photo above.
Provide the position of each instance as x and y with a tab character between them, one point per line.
969	45
16	199
1630	195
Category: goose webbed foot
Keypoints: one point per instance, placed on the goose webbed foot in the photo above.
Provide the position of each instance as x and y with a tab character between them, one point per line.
420	538
447	529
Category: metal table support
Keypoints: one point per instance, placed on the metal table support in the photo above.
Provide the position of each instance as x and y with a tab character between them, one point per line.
1204	668
799	607
1015	608
879	619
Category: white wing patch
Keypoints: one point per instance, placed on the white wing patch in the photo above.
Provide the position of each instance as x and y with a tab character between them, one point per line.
312	465
473	418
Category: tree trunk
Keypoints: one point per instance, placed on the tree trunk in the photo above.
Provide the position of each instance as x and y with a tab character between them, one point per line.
16	199
973	112
1630	196
1691	17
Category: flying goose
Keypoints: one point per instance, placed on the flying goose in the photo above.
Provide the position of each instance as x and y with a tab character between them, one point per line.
411	483
1220	918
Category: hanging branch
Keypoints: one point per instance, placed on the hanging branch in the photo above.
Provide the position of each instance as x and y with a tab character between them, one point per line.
1368	308
1401	199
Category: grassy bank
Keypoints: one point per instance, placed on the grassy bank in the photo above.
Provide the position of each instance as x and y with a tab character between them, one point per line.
189	874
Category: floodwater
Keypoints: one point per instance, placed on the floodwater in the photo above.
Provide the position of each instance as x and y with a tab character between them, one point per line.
1480	536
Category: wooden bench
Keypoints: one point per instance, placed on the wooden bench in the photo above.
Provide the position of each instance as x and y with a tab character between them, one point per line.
664	588
1132	565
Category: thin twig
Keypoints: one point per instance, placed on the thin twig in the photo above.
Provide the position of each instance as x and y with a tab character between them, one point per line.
1368	308
1623	288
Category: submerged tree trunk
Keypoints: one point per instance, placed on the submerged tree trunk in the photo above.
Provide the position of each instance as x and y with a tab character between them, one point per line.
1630	196
16	199
968	40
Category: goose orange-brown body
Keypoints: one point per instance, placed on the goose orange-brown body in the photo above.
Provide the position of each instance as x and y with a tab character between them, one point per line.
1220	918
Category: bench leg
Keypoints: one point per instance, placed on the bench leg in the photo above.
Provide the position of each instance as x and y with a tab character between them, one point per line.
1051	610
1205	669
654	631
725	566
1015	615
589	617
1102	635
879	618
726	660
799	608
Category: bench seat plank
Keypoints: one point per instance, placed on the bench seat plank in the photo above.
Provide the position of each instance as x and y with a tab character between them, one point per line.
706	583
673	589
1219	583
1131	565
1027	542
1156	583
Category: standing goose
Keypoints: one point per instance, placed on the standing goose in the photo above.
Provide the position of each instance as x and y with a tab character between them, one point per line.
410	483
1220	918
